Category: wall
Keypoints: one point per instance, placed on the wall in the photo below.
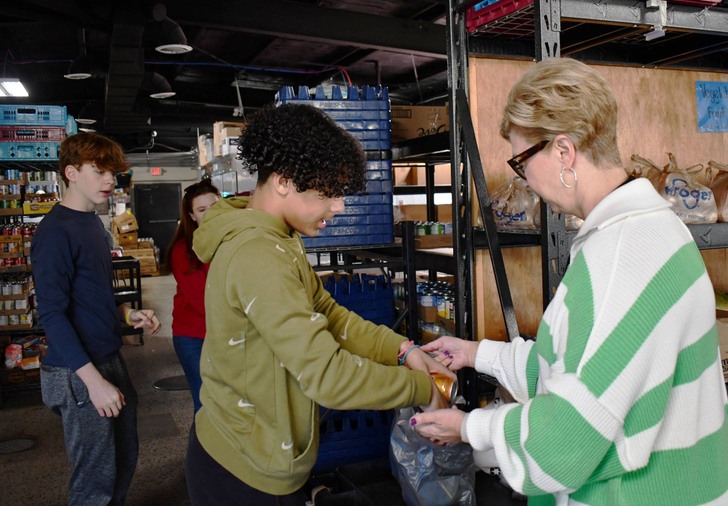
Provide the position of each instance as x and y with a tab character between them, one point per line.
657	116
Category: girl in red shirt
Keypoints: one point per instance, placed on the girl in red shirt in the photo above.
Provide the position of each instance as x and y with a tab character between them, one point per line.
188	311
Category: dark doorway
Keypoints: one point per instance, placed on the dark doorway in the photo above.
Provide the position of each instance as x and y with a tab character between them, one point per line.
156	207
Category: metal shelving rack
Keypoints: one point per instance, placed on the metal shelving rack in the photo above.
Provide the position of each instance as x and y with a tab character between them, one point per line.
608	31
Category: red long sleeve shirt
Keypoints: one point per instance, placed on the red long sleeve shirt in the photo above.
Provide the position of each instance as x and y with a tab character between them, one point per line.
188	312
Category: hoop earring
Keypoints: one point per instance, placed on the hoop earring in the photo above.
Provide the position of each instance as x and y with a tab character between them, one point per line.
561	177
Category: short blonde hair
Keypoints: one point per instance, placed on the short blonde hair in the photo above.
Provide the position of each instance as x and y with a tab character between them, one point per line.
564	96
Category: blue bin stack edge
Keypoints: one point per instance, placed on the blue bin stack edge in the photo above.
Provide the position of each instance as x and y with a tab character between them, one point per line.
368	218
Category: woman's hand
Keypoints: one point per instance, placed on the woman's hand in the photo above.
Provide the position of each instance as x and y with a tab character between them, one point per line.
441	426
461	352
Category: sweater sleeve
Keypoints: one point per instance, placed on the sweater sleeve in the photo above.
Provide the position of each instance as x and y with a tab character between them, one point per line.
292	316
353	333
53	271
514	365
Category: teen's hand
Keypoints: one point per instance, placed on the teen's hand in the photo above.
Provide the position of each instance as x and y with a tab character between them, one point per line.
461	352
144	318
441	426
419	360
106	398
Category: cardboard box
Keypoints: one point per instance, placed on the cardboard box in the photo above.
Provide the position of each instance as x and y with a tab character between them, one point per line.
124	223
128	238
427	313
38	207
413	212
222	130
412	121
433	241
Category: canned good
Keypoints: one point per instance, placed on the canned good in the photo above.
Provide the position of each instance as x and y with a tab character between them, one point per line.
447	386
3	320
13	319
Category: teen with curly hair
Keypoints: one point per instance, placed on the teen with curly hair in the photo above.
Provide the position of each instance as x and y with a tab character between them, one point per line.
277	343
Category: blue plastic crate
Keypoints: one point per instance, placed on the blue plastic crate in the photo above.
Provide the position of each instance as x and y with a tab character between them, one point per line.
38	115
342	220
366	97
352	436
354	125
358	200
380	186
29	150
348	240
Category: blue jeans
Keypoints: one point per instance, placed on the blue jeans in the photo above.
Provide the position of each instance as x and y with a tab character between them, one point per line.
189	350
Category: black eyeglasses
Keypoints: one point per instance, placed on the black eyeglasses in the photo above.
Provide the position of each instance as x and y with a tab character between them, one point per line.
519	160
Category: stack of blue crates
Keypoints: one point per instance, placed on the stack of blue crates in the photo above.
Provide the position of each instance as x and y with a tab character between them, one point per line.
33	132
368	218
371	297
352	436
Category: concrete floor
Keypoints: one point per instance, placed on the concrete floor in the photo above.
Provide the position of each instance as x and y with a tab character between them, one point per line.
39	476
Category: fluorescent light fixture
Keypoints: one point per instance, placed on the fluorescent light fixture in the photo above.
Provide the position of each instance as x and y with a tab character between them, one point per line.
85	121
163	94
173	48
83	129
12	87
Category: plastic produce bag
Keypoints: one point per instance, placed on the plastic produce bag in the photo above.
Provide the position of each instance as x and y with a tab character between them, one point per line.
430	474
720	189
515	206
691	200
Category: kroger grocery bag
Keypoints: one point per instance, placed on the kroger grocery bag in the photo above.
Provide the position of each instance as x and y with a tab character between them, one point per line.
516	206
430	474
692	201
720	189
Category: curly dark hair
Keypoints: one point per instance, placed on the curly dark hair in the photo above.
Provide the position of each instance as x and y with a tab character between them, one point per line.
302	144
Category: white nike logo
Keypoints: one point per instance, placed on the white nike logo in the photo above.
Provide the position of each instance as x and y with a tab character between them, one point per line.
287	446
233	342
344	337
278	247
247	309
243	404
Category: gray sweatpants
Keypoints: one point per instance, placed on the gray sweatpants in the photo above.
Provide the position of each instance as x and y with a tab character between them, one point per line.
102	451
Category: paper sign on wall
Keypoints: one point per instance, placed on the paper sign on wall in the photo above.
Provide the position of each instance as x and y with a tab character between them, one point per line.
712	103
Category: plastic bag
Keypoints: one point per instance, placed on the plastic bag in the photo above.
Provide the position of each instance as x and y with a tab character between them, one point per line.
515	205
691	200
720	189
430	474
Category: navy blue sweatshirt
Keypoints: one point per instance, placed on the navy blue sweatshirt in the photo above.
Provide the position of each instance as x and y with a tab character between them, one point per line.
73	285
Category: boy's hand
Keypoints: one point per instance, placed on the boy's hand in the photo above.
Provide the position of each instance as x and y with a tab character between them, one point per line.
421	361
144	318
106	398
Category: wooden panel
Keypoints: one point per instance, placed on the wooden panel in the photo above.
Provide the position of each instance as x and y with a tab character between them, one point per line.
652	123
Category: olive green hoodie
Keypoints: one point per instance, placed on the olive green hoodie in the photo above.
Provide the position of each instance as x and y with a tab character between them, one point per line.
277	346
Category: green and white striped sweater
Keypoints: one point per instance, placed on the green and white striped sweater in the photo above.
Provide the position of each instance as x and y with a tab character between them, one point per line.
621	399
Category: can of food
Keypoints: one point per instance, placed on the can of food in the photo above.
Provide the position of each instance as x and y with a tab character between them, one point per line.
447	386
